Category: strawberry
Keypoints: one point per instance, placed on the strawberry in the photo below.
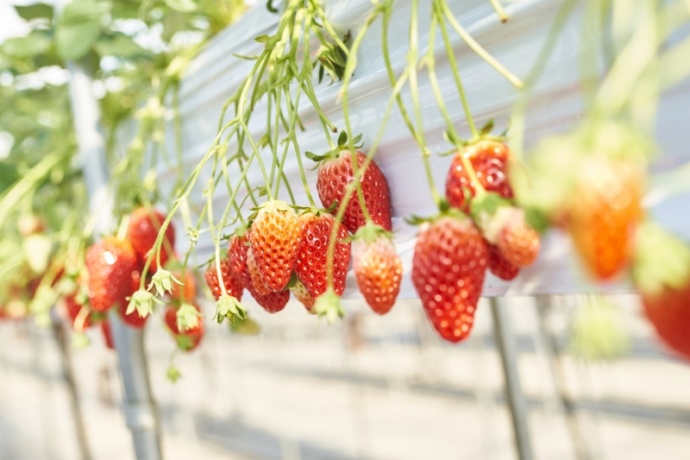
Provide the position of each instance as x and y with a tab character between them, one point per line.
378	269
255	274
272	302
186	340
80	316
301	293
110	263
335	174
187	291
311	263
237	253
669	313
448	269
144	224
274	239
107	332
132	319
604	212
489	158
518	242
499	265
233	284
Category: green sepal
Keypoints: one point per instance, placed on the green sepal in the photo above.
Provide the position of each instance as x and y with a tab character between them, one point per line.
229	307
328	305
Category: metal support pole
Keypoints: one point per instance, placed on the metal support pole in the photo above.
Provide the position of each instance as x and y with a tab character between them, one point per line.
514	395
139	407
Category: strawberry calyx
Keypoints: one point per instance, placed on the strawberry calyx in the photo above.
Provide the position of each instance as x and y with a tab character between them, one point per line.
143	302
163	281
329	305
343	145
661	260
188	317
369	233
228	307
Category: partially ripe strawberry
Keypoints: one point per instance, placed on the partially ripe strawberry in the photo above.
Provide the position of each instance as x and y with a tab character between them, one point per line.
274	241
144	224
500	266
517	240
187	291
233	284
110	263
448	270
311	264
604	213
255	274
301	293
335	174
186	340
273	302
489	159
237	253
378	271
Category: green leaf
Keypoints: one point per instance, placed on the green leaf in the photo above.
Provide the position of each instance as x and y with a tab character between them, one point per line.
35	11
119	45
79	27
28	46
183	6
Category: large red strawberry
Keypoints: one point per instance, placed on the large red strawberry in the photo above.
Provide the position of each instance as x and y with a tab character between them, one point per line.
669	312
335	174
499	265
448	270
110	263
378	270
186	340
232	283
144	224
274	239
311	264
604	212
489	158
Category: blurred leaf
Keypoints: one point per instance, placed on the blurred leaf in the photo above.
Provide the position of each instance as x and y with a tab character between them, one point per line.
36	42
8	175
183	6
79	27
119	45
173	23
34	11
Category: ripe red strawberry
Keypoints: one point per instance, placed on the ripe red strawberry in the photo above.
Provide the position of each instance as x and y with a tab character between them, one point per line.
237	253
110	263
144	224
335	174
255	274
299	290
669	312
378	271
233	284
311	266
273	302
604	213
107	335
448	270
489	159
274	241
499	265
518	241
80	316
186	340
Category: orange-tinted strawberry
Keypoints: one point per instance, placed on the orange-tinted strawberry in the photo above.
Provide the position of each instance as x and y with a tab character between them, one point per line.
185	292
604	213
499	266
378	271
110	263
255	274
311	264
301	293
335	174
273	302
274	241
518	241
448	270
489	159
233	284
186	340
142	232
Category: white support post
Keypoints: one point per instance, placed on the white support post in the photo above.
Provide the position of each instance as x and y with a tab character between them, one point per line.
138	405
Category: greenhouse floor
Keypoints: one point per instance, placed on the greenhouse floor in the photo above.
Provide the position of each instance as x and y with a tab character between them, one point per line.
305	390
